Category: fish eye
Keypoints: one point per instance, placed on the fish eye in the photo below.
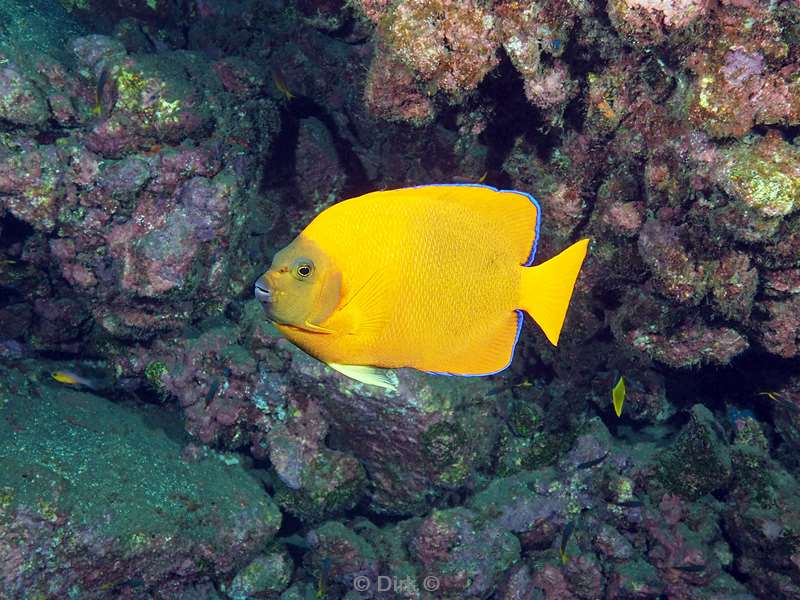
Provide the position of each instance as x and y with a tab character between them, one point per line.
303	269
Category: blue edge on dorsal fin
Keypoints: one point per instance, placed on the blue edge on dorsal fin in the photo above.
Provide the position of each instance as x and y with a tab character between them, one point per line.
527	263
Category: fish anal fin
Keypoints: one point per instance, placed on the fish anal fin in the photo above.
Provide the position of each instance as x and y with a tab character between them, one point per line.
384	378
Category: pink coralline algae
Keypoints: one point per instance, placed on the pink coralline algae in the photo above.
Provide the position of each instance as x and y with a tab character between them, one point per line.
779	332
21	101
763	174
677	275
550	87
693	344
391	92
450	44
651	21
743	79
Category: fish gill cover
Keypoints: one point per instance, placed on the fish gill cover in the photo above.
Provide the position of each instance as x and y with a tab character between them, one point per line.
155	154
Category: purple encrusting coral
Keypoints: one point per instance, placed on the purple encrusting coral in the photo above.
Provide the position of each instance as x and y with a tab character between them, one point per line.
148	173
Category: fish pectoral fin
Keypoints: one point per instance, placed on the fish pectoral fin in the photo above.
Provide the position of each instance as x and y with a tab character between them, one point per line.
366	308
384	378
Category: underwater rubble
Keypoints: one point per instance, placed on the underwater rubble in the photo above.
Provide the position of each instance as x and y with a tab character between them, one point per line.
154	154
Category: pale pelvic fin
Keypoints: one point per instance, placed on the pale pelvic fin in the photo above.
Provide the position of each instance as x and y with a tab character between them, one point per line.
385	378
316	328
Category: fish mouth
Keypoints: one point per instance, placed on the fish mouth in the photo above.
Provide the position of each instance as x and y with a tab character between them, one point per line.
262	293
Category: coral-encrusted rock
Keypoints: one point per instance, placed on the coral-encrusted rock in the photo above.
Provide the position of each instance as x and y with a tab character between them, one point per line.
551	88
340	555
519	585
635	579
21	101
764	175
650	21
676	274
391	92
97	51
32	177
428	437
316	159
451	44
213	378
160	258
523	505
733	284
692	344
742	77
59	320
239	76
765	537
465	555
531	29
69	525
783	251
266	576
779	333
330	483
781	283
699	461
153	98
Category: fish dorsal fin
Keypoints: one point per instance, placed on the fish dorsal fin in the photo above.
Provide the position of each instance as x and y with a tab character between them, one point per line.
513	214
366	310
384	378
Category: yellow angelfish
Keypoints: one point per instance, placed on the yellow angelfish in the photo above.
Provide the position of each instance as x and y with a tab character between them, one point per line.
431	277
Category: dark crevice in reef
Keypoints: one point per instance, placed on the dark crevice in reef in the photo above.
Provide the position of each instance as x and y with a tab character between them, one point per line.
740	383
13	231
513	115
790	133
282	158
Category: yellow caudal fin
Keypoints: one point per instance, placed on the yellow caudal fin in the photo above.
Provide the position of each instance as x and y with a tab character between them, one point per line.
547	289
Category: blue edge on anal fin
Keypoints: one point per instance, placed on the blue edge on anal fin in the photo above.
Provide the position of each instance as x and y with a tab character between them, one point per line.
527	263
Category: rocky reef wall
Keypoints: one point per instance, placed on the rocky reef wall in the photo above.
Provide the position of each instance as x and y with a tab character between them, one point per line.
155	153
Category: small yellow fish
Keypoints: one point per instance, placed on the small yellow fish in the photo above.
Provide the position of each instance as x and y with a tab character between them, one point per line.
618	396
280	83
565	535
73	379
462	179
97	110
774	396
432	277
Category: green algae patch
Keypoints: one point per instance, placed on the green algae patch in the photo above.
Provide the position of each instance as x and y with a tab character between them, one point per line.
764	175
102	495
265	575
332	483
698	461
